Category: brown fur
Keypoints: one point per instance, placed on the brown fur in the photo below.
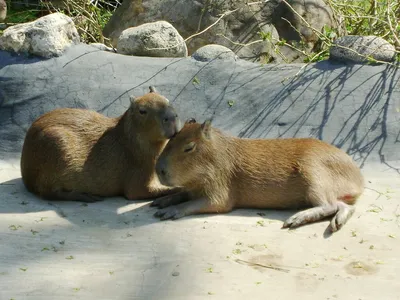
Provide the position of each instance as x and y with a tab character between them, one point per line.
223	172
78	154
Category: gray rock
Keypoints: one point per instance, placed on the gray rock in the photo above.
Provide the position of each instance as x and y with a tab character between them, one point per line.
48	36
156	39
3	10
346	106
210	52
316	12
355	48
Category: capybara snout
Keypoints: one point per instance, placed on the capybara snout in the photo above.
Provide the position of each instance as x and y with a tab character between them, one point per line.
170	122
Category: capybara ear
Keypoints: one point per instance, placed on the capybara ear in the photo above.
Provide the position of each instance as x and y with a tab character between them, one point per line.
190	121
206	128
152	89
132	98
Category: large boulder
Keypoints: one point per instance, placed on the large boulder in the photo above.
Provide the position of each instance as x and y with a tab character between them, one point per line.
48	36
156	39
360	49
290	18
352	108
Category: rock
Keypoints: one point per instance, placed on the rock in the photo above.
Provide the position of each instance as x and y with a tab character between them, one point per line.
103	47
316	12
3	10
362	47
211	52
235	29
156	39
48	36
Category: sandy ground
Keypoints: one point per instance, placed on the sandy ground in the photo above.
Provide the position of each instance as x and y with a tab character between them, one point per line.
116	249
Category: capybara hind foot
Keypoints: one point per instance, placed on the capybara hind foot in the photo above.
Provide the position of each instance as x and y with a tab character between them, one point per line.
169	200
73	196
198	206
310	215
343	214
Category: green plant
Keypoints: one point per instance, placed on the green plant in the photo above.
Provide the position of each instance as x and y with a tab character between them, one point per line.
355	17
370	17
89	17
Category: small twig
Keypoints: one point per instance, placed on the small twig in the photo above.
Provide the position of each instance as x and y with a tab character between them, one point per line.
319	33
257	2
198	33
237	43
259	41
397	41
212	25
262	266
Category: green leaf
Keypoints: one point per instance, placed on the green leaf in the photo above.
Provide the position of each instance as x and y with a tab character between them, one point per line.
196	80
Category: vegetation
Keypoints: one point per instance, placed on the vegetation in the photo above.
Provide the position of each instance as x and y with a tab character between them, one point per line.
355	17
90	17
370	17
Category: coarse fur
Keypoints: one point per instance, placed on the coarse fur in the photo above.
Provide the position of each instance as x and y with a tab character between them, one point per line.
79	154
222	172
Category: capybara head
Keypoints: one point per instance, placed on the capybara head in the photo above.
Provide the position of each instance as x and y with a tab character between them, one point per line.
154	115
188	156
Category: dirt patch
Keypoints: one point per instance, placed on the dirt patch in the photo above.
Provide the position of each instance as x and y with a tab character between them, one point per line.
359	268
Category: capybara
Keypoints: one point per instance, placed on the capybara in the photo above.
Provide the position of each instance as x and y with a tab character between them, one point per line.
222	172
79	154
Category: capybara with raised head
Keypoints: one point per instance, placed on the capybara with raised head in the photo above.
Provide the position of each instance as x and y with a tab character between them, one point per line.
222	172
79	154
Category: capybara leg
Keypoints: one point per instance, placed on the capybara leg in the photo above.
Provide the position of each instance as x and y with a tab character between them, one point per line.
310	215
343	214
151	193
72	196
169	200
198	206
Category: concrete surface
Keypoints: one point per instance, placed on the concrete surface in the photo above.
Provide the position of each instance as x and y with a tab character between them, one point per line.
115	249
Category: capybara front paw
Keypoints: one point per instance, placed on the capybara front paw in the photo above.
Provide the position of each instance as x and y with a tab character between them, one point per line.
161	202
171	212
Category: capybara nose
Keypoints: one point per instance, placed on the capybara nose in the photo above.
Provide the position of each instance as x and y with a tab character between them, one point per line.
160	168
170	116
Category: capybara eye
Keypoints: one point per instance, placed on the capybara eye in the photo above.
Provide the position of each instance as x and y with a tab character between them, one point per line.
142	111
189	147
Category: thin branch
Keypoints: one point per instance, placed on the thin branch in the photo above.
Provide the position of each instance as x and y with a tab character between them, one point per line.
397	41
262	266
198	33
